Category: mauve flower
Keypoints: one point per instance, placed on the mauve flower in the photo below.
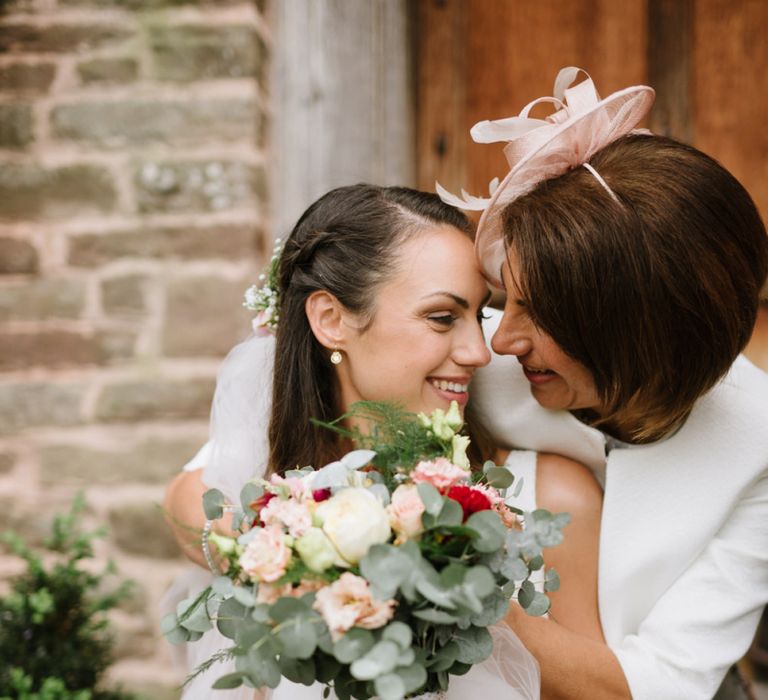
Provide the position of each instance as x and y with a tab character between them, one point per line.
294	515
470	499
348	603
405	511
439	472
266	556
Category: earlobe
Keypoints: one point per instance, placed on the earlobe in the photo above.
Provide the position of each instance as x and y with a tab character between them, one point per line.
325	316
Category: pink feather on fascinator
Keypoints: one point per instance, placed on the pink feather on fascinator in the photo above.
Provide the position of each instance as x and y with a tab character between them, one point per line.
541	149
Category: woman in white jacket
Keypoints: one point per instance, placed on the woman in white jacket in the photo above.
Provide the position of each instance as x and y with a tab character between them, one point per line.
632	265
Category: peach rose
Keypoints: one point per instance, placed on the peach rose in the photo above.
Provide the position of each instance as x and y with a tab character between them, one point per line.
439	472
266	556
405	511
348	603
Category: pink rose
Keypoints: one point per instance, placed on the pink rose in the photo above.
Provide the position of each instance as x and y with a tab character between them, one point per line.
293	515
405	511
348	603
439	472
294	487
266	556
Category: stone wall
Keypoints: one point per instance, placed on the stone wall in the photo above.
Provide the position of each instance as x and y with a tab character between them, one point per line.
132	217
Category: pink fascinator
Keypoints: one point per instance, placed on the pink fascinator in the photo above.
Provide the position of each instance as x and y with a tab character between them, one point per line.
541	149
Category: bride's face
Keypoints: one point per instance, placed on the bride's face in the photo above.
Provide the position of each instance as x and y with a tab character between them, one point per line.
425	339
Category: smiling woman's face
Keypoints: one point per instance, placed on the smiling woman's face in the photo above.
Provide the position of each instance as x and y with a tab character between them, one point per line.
425	339
557	380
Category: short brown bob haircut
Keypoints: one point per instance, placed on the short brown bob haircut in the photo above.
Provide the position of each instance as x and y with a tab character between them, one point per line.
656	294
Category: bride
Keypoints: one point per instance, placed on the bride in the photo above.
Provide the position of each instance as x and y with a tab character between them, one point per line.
379	299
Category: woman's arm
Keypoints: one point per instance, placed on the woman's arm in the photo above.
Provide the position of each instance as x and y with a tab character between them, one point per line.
183	507
563	485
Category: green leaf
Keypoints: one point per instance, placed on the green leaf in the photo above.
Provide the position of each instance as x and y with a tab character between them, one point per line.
387	568
431	498
244	596
514	568
261	666
380	659
488	465
213	504
453	575
551	580
354	644
298	670
286	608
298	637
480	580
249	493
231	680
389	687
491	532
193	615
229	617
222	586
475	644
494	610
413	676
536	563
527	593
399	633
450	514
437	617
538	605
250	633
499	477
435	593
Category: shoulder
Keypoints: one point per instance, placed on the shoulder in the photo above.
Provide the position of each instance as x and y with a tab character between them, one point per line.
563	484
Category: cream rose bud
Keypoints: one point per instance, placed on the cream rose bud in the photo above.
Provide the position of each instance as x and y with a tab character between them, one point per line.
405	512
460	443
317	551
354	520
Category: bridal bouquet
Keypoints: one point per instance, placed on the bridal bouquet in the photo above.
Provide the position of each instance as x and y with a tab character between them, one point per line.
377	575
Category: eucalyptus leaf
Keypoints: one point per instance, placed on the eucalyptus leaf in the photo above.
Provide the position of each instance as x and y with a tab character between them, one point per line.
494	610
250	633
527	593
249	493
381	658
539	605
491	532
518	487
475	644
287	608
536	563
514	568
222	586
488	465
413	676
231	680
213	504
354	644
389	687
169	622
450	514
453	575
244	596
499	477
331	475
480	580
298	637
386	567
297	670
399	633
229	617
437	617
407	657
431	498
551	580
193	615
261	666
436	594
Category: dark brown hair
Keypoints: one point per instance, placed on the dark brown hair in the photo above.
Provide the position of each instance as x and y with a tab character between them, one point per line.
655	295
346	243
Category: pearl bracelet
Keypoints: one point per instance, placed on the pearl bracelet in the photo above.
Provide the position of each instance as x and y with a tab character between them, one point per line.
215	570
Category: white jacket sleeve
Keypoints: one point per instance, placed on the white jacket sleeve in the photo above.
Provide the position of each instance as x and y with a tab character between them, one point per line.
706	620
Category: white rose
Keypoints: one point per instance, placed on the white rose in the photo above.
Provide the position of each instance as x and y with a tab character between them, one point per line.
354	520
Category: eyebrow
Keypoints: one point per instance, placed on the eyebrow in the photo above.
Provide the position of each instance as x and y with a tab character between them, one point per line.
461	301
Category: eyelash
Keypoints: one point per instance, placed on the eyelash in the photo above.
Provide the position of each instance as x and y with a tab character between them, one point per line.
443	319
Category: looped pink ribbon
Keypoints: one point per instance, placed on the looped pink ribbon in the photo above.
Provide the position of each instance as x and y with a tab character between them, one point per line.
525	135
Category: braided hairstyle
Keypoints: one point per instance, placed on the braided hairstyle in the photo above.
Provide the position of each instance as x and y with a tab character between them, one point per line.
346	243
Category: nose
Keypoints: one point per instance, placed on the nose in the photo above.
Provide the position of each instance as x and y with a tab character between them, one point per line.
512	337
472	350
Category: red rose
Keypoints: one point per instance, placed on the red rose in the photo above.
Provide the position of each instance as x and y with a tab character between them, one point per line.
261	501
471	500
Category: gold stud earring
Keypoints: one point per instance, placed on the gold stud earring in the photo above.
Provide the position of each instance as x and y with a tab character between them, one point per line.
336	357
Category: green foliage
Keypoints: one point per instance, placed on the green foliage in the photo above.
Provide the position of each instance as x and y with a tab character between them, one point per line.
54	637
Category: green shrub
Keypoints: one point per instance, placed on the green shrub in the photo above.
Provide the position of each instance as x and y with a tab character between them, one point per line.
54	636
